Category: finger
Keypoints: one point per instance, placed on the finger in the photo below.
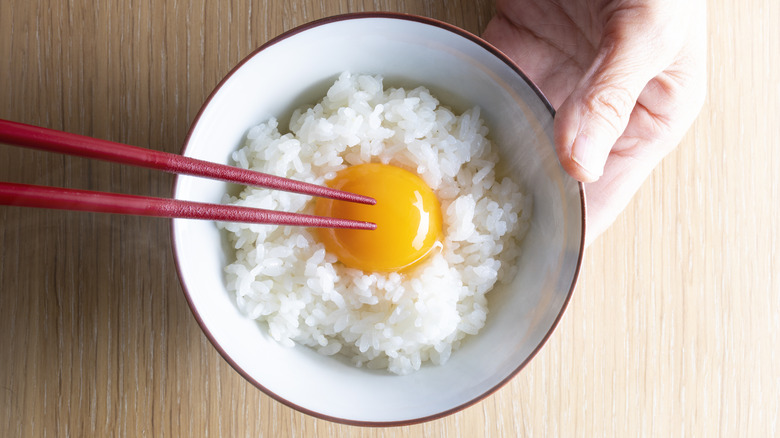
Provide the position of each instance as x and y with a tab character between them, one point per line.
594	116
610	195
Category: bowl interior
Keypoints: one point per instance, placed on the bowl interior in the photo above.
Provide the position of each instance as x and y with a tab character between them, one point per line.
297	69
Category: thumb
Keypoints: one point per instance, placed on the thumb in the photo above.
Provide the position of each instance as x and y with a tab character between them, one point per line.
594	116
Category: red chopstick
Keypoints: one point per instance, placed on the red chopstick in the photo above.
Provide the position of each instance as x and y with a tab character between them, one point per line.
26	195
45	139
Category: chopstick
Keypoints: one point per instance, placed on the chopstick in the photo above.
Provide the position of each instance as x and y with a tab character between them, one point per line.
36	137
25	195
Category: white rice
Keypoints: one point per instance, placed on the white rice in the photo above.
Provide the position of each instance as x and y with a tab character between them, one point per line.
283	277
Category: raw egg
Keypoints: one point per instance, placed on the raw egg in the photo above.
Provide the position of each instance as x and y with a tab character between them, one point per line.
407	217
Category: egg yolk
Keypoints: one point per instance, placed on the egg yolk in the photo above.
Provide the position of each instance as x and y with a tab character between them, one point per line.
407	217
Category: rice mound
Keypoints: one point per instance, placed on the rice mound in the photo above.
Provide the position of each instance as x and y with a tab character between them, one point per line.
282	275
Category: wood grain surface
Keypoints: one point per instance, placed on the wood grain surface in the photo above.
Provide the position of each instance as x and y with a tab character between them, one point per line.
673	329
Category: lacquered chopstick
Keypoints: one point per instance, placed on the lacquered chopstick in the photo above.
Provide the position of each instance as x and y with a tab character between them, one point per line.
45	139
26	195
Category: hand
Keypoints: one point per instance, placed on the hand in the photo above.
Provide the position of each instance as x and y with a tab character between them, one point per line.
627	79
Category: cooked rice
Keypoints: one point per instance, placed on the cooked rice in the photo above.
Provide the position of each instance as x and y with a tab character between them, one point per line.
395	321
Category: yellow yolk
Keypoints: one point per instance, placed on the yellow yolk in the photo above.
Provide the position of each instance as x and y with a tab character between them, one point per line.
407	217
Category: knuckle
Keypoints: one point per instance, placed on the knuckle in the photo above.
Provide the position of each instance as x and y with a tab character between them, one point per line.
613	106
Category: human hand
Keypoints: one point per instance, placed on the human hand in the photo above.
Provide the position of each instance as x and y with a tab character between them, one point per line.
627	79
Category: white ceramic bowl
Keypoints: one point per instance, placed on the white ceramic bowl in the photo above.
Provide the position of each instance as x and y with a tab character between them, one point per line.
297	68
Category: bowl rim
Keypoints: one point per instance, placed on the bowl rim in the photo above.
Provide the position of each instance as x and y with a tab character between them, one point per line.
356	16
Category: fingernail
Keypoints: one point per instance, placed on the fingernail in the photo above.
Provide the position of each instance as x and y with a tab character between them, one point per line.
583	153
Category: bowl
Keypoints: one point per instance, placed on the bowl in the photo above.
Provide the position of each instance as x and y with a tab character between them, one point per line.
296	68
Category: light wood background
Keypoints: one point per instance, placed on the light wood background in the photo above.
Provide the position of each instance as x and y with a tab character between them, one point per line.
673	329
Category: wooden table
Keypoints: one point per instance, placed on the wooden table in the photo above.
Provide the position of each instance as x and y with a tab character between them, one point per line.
674	328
